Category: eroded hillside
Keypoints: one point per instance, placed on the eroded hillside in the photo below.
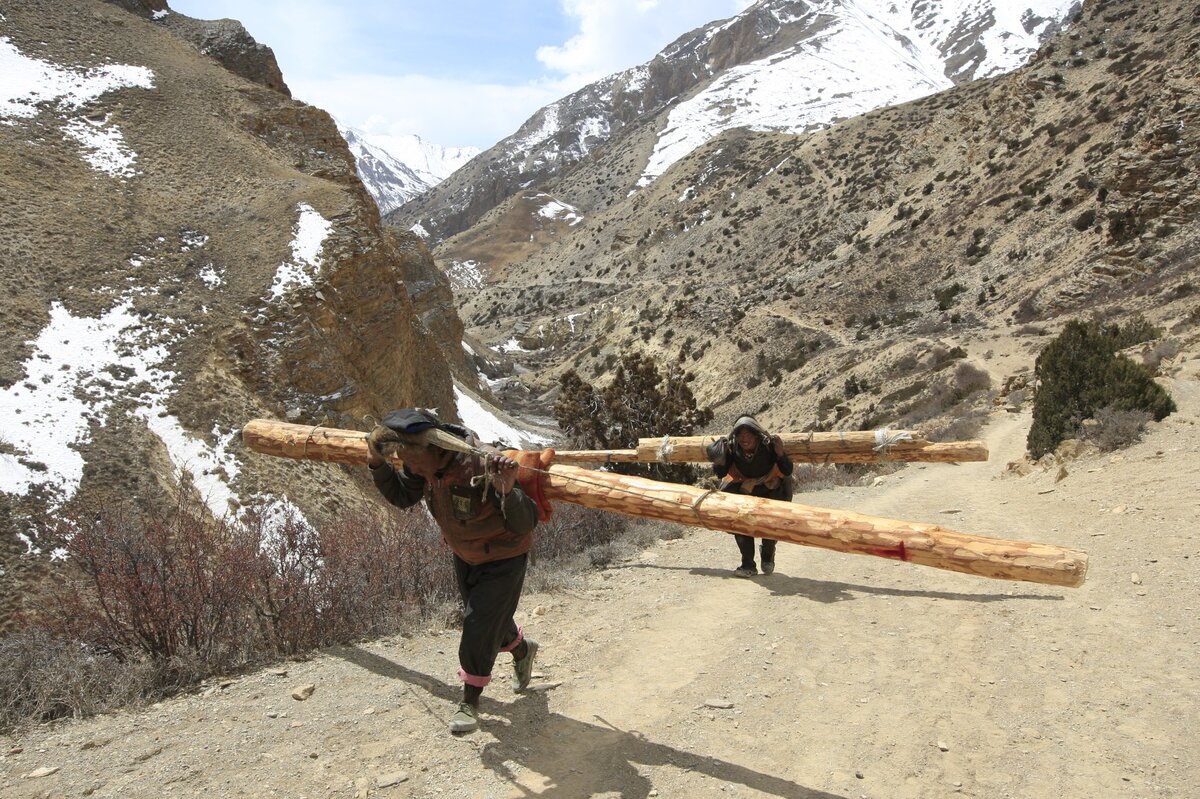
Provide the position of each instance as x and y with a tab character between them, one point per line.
186	249
829	280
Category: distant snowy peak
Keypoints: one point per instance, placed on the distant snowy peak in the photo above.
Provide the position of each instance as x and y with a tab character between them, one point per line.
780	65
397	168
850	57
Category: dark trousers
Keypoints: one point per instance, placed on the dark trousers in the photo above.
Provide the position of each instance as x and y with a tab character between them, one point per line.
746	547
490	592
745	543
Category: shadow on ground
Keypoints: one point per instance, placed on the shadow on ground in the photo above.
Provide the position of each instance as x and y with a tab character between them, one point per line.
574	758
827	591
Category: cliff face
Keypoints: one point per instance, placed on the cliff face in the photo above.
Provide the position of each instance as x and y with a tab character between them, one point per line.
186	248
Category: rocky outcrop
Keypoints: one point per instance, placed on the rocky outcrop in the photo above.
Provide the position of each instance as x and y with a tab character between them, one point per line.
221	262
228	42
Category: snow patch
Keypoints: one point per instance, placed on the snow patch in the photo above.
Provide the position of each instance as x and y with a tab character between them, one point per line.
489	427
78	367
308	238
104	147
512	345
211	277
467	275
554	209
420	230
27	84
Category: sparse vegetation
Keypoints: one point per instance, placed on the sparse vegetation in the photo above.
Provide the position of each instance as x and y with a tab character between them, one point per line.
640	402
146	604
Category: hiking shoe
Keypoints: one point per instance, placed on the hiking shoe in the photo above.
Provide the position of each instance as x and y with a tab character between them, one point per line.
768	567
523	668
745	571
465	719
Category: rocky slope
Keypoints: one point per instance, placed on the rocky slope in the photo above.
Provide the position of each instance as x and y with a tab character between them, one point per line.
186	248
785	65
825	280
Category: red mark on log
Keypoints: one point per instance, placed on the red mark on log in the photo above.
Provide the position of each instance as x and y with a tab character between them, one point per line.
897	552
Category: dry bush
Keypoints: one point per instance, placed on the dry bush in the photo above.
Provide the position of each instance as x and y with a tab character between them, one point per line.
168	586
42	679
150	602
818	477
357	577
969	379
961	427
1111	429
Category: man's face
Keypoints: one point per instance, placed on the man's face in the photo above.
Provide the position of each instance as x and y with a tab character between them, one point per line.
426	461
747	439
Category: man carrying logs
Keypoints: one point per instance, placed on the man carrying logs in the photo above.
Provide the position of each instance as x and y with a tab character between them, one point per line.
752	461
485	518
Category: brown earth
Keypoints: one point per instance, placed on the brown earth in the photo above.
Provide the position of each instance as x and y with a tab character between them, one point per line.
838	676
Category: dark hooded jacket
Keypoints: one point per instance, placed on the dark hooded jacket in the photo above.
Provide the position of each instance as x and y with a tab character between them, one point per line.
758	467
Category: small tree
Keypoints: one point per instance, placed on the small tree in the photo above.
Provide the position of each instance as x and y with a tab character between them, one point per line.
640	402
1080	372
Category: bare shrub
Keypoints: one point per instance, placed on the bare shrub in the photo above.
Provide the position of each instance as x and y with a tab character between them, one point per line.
359	576
970	379
1111	428
41	679
961	427
572	529
818	477
170	586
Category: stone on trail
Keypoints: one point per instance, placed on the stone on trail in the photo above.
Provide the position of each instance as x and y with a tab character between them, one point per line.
44	771
719	704
388	780
303	692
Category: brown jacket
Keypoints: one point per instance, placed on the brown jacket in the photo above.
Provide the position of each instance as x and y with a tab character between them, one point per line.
476	522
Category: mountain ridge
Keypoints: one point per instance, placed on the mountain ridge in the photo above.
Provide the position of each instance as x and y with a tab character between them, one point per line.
564	133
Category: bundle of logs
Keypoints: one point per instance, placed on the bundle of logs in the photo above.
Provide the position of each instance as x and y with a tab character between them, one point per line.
838	530
848	447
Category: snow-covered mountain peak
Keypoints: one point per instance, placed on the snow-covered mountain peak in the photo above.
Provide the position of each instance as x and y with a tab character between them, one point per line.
397	168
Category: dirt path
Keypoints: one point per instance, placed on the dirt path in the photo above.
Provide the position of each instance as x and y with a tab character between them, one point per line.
839	676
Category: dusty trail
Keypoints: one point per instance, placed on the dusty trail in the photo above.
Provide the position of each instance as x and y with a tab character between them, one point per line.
839	676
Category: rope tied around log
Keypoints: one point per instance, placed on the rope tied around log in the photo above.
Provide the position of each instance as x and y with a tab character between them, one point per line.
308	438
665	448
885	439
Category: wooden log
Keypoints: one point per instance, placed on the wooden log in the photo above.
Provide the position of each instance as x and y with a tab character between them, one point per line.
596	456
841	531
858	446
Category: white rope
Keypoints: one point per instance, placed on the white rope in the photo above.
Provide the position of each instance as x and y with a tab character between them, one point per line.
885	438
665	448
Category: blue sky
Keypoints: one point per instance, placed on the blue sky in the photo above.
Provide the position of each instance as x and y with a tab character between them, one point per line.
456	72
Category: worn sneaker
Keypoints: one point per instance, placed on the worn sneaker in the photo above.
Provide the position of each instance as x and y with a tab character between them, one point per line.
465	719
768	567
745	571
523	668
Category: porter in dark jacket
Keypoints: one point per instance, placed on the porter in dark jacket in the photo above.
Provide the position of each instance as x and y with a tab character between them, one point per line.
752	461
487	523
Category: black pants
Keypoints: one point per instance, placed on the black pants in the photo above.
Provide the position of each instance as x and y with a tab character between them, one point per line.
745	543
490	592
746	546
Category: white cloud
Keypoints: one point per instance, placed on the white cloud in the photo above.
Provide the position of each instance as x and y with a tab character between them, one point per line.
334	55
617	34
446	112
